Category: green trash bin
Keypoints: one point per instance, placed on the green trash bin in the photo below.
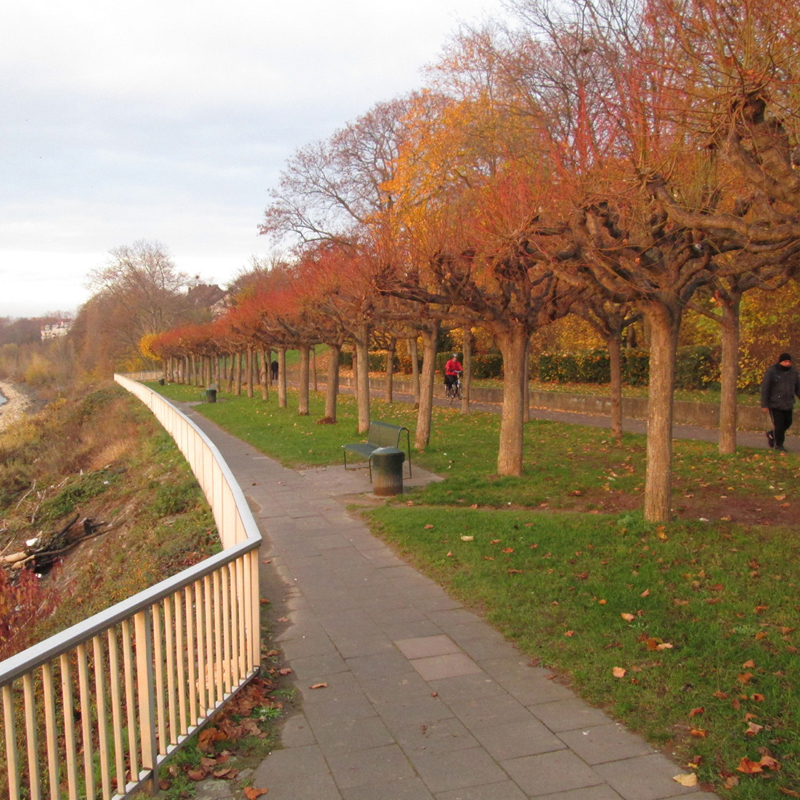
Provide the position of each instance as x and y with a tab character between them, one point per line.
387	471
211	394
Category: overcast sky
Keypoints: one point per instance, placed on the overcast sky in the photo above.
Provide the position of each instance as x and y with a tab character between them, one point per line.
170	120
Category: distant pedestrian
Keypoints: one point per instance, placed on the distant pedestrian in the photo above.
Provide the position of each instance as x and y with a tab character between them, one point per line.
274	369
780	386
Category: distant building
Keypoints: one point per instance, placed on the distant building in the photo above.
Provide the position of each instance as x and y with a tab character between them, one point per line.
56	330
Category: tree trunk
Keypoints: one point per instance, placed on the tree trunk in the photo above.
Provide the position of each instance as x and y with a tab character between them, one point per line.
362	377
354	370
302	399
231	370
390	370
614	345
729	375
238	362
268	357
332	390
165	369
414	355
664	323
526	384
466	375
430	339
314	368
250	372
264	375
281	377
514	347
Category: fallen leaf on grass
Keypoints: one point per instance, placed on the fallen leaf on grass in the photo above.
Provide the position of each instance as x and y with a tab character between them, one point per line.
207	737
745	677
196	774
428	527
731	781
788	792
720	695
628	617
164	784
515	572
749	767
758	698
749	664
770	763
252	793
619	672
569	633
686	780
695	712
227	773
508	549
753	729
319	686
698	733
467	538
645	593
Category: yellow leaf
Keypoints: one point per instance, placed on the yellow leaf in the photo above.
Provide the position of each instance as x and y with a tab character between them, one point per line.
686	780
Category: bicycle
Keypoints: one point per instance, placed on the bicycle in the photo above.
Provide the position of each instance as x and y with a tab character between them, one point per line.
453	391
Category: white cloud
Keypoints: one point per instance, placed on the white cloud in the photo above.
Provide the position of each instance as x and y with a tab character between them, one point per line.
170	120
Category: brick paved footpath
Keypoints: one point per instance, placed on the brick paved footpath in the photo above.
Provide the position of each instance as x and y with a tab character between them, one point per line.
424	699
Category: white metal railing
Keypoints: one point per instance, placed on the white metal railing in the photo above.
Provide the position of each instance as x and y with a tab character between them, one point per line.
93	711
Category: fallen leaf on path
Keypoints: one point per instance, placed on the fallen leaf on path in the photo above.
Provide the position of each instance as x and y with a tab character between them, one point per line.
686	780
319	686
252	793
285	671
196	774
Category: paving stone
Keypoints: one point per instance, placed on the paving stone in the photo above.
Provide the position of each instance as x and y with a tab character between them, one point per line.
296	732
307	646
567	715
438	737
409	630
464	688
375	765
297	773
379	665
316	668
644	778
456	769
516	739
602	792
422	647
605	743
550	773
451	666
364	646
336	736
485	712
410	789
506	790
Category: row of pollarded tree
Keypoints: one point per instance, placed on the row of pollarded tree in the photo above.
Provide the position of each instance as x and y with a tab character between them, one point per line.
611	158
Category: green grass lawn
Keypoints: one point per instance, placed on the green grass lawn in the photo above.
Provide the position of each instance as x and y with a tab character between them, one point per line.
698	616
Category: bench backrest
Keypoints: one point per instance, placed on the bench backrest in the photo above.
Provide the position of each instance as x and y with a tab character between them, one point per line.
384	434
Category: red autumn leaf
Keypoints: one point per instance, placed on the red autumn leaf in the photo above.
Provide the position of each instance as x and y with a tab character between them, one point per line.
515	572
228	773
698	733
745	677
759	698
788	792
428	527
645	593
749	664
720	695
495	541
628	617
285	671
695	712
749	767
619	672
717	587
252	793
319	686
753	729
770	763
196	774
569	633
508	549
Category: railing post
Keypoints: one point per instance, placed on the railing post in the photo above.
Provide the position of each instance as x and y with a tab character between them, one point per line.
145	683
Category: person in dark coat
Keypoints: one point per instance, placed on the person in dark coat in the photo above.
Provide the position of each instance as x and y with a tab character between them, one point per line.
780	386
274	370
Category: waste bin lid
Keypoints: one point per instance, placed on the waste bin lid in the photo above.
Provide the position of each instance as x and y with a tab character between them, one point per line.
387	451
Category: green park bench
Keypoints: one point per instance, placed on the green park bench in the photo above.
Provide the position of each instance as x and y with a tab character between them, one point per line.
381	434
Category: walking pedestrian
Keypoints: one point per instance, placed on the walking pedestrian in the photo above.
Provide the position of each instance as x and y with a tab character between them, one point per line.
780	386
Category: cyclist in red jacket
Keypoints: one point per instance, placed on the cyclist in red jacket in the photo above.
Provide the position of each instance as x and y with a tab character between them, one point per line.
452	369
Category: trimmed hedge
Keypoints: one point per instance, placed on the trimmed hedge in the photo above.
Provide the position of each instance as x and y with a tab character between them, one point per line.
695	368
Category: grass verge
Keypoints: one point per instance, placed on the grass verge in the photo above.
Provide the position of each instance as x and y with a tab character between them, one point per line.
684	632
